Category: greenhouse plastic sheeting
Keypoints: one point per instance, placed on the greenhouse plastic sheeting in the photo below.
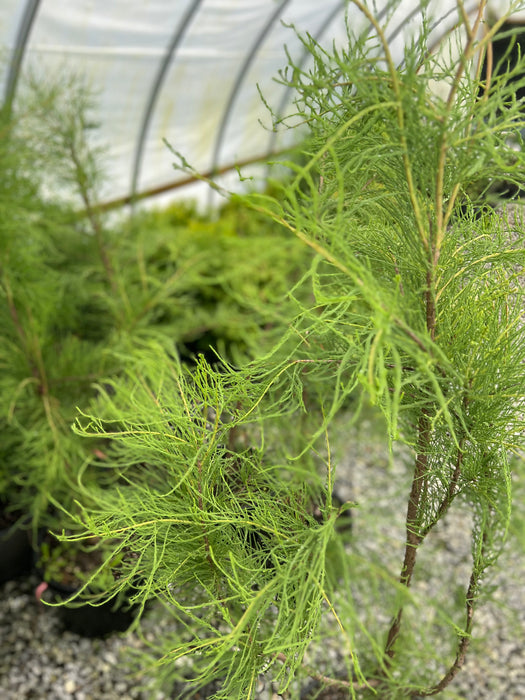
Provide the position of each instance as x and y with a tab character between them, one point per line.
183	71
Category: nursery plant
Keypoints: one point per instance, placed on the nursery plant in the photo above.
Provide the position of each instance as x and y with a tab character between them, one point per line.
35	314
412	303
77	289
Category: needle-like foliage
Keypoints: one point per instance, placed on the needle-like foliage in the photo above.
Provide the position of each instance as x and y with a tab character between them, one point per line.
224	506
75	291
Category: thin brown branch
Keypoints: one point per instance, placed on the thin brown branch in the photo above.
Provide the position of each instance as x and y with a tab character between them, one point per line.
464	641
430	305
394	77
414	535
466	55
92	214
413	517
449	496
327	680
489	63
453	483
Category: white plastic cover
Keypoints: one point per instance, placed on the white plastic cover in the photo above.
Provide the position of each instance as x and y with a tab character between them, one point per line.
185	71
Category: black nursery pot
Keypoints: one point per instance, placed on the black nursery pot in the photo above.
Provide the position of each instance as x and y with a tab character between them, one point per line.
16	553
89	620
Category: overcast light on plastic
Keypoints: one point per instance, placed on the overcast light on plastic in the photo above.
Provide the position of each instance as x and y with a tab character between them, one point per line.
184	72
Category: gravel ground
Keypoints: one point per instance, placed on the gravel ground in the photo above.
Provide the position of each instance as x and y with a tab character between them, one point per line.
39	660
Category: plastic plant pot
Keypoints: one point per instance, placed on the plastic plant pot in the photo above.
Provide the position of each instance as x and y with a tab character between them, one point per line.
16	553
79	616
89	620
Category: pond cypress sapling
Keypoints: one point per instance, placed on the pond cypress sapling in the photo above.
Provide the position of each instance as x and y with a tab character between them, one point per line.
418	309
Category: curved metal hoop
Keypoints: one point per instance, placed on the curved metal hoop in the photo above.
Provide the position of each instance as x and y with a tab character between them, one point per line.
285	99
155	90
22	37
239	80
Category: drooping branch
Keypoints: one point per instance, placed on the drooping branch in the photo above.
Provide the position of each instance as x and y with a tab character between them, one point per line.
328	680
464	638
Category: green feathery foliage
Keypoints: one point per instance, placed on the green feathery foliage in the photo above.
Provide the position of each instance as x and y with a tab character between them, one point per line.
76	291
223	508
